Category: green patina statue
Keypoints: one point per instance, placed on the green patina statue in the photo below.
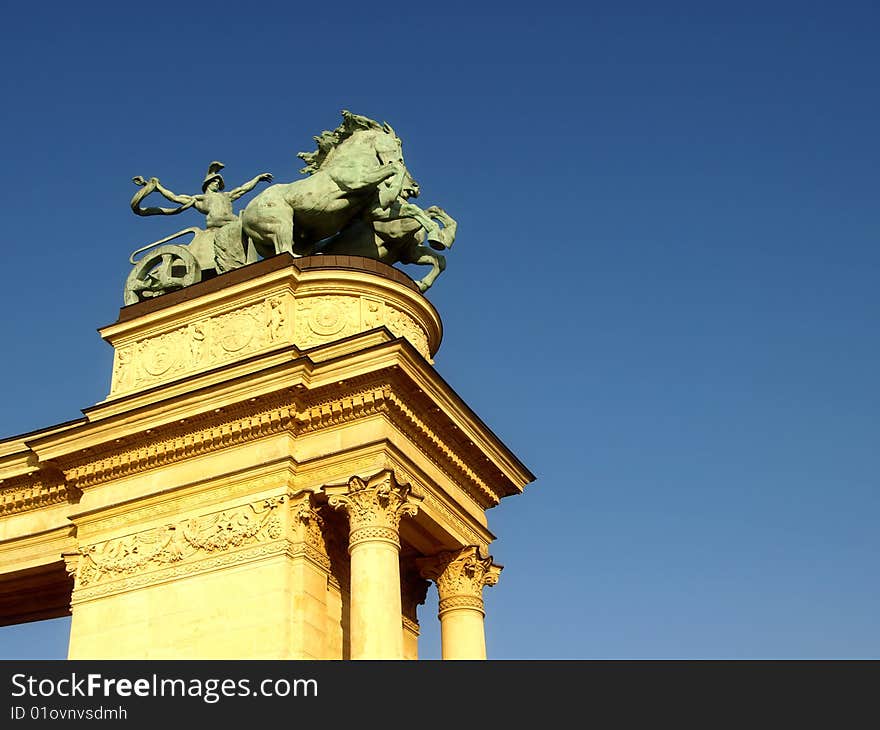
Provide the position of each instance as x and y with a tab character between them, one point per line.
355	201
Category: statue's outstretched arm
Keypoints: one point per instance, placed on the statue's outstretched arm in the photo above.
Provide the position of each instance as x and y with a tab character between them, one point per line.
151	185
174	197
236	193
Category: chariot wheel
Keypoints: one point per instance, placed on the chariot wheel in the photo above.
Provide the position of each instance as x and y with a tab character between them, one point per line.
163	269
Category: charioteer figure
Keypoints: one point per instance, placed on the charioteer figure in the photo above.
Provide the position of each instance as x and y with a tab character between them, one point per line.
214	203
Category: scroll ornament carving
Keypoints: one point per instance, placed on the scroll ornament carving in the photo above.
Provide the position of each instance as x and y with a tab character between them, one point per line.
174	543
71	563
460	576
376	506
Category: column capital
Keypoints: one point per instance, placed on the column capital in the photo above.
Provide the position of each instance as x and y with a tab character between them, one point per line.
374	506
460	576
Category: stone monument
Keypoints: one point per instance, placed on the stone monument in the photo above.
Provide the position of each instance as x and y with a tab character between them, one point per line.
278	471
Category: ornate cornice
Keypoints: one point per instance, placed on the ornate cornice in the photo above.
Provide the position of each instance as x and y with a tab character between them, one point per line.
33	491
432	446
174	442
460	576
301	413
374	506
370	395
317	414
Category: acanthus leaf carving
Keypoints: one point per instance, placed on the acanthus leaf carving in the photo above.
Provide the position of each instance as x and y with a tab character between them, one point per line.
375	506
460	576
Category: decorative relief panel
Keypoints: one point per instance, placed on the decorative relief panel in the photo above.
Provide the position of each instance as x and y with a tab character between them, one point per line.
403	325
201	344
325	318
175	543
328	317
210	341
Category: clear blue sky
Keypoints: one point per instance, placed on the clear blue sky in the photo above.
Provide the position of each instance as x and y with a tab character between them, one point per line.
663	296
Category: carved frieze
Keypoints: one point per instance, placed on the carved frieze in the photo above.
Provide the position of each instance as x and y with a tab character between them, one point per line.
182	569
201	344
186	540
328	317
403	325
213	340
227	489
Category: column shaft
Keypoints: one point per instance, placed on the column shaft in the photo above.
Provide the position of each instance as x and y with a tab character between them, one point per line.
460	576
462	634
375	601
374	508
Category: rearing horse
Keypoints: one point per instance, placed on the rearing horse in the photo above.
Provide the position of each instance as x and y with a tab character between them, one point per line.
357	170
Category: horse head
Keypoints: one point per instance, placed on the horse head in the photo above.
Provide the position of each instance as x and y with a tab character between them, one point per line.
361	142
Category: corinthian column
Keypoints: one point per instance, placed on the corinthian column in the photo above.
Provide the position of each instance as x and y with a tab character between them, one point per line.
460	576
374	510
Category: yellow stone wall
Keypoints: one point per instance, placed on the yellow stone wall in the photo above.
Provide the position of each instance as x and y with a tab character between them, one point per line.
273	460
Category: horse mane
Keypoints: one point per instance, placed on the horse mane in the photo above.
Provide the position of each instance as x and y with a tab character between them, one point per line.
327	141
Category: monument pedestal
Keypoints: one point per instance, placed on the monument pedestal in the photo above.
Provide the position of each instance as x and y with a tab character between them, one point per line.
276	473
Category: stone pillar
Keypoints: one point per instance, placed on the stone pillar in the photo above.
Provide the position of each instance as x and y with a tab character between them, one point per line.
374	510
460	576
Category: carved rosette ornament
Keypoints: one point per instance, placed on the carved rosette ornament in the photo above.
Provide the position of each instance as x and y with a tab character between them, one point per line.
375	507
460	576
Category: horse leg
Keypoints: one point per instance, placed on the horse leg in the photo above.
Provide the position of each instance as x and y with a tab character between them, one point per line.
450	225
426	257
277	238
402	209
